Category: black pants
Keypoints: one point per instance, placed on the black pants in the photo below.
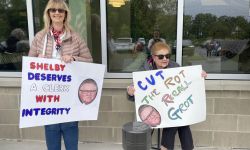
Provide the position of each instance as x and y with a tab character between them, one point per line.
185	135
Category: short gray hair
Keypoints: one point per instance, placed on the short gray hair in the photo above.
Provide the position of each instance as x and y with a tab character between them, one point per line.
18	33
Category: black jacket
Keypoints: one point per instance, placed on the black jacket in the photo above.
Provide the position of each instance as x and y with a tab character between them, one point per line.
151	66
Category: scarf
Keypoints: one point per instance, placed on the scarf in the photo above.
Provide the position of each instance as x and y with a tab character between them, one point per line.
56	35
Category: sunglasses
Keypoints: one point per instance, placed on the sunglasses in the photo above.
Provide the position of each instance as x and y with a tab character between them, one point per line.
167	56
53	10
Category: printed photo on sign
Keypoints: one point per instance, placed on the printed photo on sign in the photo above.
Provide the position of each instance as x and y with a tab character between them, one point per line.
87	91
149	115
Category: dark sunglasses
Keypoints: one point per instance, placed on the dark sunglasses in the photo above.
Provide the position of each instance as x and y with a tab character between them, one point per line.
53	10
167	56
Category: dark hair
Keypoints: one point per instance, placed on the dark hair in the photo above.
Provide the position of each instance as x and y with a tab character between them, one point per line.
157	40
89	80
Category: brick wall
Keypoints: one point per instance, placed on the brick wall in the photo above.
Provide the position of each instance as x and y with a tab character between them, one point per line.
227	124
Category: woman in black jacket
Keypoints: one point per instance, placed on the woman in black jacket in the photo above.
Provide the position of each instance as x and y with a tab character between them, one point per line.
160	53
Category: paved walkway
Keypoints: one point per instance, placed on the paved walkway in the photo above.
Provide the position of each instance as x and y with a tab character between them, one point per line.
40	145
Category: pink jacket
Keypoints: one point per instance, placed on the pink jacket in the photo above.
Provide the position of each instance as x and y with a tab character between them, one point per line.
71	45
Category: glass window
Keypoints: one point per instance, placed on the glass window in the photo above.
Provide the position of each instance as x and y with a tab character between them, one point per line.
132	27
38	8
14	40
85	20
216	34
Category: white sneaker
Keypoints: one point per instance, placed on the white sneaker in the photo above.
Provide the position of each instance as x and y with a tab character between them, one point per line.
163	148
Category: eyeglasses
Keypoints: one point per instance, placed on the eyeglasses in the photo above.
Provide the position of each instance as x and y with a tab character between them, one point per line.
53	10
167	56
87	91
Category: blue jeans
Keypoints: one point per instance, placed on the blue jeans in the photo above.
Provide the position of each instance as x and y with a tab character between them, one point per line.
54	133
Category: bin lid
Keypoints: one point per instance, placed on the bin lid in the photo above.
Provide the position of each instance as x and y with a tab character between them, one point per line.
136	127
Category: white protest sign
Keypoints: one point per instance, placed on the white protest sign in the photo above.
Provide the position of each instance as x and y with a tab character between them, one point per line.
55	92
170	97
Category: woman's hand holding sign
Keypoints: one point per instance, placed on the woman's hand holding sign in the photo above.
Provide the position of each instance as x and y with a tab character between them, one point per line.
67	58
131	90
204	74
42	56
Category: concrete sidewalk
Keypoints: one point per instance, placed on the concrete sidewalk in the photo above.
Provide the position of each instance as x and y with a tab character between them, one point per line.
41	145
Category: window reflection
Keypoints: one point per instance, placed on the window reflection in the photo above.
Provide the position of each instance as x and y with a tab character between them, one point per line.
219	33
13	36
132	28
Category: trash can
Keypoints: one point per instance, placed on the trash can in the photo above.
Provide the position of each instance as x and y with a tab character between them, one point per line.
136	136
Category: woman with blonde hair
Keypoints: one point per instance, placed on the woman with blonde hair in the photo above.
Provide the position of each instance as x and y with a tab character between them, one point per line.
58	41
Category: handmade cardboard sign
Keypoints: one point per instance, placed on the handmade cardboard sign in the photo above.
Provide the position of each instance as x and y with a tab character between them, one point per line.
55	92
170	97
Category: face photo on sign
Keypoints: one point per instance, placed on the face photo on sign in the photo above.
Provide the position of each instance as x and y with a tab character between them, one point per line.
149	115
87	91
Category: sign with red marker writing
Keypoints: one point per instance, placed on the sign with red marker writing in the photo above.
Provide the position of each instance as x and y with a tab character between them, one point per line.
55	92
170	97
